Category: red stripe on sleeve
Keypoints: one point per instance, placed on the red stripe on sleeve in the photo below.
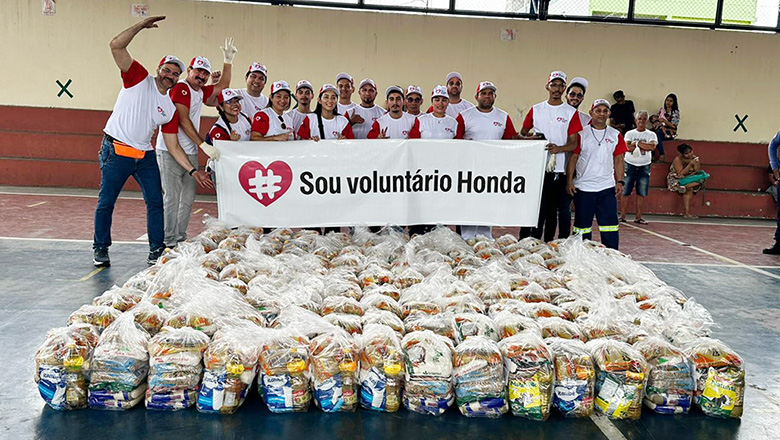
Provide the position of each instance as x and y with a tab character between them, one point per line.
374	133
621	146
220	133
528	122
575	125
347	131
261	124
461	127
134	75
578	150
509	131
180	94
414	133
303	131
172	126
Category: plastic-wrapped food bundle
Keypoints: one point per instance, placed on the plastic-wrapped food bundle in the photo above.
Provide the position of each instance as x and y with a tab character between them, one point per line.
509	324
284	360
149	316
381	302
478	374
376	316
620	382
385	289
575	377
351	323
62	367
560	328
670	382
99	316
336	304
466	303
428	386
334	369
442	324
530	371
175	356
120	363
720	378
381	368
230	364
474	324
120	298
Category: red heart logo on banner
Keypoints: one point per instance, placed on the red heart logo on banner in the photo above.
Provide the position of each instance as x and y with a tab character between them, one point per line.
266	185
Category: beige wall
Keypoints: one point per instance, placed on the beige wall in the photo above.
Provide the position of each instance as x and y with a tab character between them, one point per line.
716	74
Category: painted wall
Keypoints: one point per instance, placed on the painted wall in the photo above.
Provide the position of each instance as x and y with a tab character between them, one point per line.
716	74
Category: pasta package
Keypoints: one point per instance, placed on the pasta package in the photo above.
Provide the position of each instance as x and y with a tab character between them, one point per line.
620	384
575	377
531	372
720	378
478	374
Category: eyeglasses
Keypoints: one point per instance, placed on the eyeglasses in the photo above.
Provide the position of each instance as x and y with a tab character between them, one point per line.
168	71
284	127
415	100
576	95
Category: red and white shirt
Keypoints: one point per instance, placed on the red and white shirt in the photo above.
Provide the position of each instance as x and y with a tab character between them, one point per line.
182	93
453	110
268	123
429	126
243	127
252	105
596	167
297	119
479	126
584	118
140	108
369	115
332	128
396	128
557	122
347	109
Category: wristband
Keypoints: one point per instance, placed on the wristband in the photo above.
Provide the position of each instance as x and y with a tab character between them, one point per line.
621	182
192	171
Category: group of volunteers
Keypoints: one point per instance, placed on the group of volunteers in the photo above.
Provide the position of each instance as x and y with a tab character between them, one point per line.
585	155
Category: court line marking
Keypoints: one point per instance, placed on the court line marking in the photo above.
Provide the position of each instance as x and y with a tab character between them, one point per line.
91	274
144	237
35	204
197	210
672	222
672	263
607	427
86	196
706	252
66	240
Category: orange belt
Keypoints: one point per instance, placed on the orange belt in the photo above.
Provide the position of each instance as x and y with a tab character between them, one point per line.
124	150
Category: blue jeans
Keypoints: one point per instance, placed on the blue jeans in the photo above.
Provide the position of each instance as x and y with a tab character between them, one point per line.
114	172
638	176
602	204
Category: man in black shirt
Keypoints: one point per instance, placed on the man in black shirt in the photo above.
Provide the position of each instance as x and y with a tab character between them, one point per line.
622	116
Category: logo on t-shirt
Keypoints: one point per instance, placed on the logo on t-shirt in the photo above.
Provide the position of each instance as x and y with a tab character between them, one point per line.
161	111
498	124
183	92
609	140
449	130
335	133
562	119
405	132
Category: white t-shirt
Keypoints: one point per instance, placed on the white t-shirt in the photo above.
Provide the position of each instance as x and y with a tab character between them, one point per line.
252	105
557	122
429	126
183	93
369	115
596	167
243	128
476	125
297	119
584	118
268	123
396	128
454	110
639	157
332	128
346	109
140	108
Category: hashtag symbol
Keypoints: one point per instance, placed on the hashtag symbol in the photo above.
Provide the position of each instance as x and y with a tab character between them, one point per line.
262	184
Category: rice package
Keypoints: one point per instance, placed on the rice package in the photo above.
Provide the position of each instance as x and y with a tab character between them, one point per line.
478	374
620	381
670	384
334	368
428	380
575	377
530	371
62	367
381	369
175	368
284	361
720	378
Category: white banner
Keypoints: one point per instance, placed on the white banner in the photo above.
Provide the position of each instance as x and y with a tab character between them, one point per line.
379	182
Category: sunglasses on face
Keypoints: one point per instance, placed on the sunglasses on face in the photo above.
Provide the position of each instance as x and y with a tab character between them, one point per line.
415	100
576	95
284	127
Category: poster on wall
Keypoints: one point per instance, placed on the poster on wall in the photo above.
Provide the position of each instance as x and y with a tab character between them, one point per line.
49	7
379	182
139	10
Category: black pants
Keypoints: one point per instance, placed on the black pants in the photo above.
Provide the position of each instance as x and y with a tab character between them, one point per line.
420	229
554	210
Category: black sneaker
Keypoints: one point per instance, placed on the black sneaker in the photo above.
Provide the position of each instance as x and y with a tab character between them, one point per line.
154	255
774	250
101	257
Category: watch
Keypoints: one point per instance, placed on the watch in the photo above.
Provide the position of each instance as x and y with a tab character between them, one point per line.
621	182
192	171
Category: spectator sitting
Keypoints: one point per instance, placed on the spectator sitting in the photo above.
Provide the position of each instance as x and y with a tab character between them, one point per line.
686	177
640	143
668	120
622	116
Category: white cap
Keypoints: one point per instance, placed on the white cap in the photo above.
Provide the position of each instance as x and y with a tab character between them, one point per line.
279	86
599	102
257	67
440	91
329	88
344	75
367	81
305	84
453	75
200	62
414	89
171	59
580	81
394	89
557	74
485	85
227	95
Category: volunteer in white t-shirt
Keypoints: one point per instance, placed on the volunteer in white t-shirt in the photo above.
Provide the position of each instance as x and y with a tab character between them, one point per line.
640	143
304	93
365	114
483	122
414	100
454	83
232	124
575	94
325	122
272	123
346	86
436	124
254	100
396	123
594	175
142	106
558	123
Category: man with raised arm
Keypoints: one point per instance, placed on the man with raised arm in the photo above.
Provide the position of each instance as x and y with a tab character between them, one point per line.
143	105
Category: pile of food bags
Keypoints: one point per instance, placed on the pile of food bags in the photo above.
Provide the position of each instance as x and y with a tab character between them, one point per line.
175	367
530	371
334	368
478	372
381	369
284	360
63	365
670	383
428	380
